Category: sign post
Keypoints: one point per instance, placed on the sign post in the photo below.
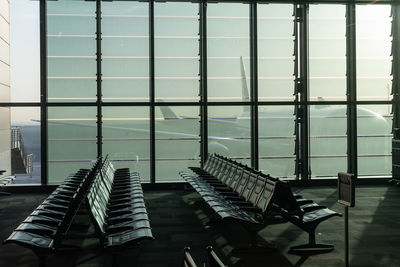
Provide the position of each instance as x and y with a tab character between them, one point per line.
346	197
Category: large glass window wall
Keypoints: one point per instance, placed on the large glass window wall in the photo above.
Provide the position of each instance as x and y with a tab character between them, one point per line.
20	132
142	86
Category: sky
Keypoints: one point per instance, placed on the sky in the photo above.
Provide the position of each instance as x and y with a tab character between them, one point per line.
25	57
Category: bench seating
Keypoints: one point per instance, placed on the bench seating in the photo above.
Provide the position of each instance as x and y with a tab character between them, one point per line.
212	258
116	207
238	193
6	181
235	192
44	229
307	216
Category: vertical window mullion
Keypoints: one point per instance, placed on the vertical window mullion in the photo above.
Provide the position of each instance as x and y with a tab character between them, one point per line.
396	65
43	92
395	87
99	81
306	173
254	84
351	89
301	92
152	94
203	82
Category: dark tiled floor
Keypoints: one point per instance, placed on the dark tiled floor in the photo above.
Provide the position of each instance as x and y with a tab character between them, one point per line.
180	219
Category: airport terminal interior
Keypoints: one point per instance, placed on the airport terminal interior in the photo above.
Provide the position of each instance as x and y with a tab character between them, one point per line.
199	133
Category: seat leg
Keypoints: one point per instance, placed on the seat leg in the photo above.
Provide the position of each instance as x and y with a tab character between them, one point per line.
312	247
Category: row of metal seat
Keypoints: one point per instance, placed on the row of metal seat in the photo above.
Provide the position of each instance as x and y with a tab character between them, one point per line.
4	182
212	259
239	193
116	205
234	191
43	230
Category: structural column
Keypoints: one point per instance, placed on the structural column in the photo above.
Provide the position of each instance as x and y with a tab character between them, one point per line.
351	92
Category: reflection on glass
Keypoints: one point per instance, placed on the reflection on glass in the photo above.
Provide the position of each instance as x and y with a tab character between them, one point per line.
229	132
72	140
177	140
374	127
125	51
176	29
126	138
327	50
328	140
275	52
276	140
373	52
228	51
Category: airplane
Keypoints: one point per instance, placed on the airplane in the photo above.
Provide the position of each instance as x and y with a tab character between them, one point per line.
72	143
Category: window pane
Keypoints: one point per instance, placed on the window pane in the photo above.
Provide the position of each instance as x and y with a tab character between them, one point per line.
176	51
23	51
275	52
276	140
25	145
327	49
71	51
374	127
72	140
125	51
177	140
20	151
328	140
228	51
373	52
229	132
126	138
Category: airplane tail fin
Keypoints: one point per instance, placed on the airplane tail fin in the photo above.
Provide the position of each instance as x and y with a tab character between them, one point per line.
167	112
245	89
